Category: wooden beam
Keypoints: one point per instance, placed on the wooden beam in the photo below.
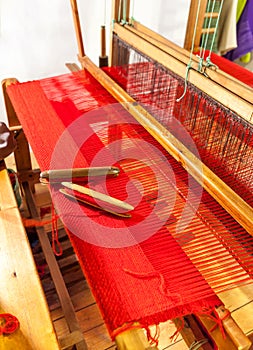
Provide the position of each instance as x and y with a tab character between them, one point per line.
77	25
182	55
235	103
62	292
70	340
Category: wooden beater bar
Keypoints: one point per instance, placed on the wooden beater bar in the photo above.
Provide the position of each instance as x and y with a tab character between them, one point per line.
218	76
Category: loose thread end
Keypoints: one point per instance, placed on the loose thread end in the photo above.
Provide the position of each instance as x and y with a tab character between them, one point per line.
185	82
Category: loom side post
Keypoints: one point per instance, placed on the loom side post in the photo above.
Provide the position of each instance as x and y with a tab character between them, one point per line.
114	11
117	17
191	24
21	292
22	152
78	30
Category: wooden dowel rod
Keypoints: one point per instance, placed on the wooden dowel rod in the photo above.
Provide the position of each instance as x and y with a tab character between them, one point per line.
183	55
103	41
15	128
222	193
103	58
77	27
232	101
207	30
211	14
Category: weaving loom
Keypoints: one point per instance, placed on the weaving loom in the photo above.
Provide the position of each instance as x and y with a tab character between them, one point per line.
161	253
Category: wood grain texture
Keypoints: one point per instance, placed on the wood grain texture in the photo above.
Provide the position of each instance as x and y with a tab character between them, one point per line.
234	102
21	293
217	75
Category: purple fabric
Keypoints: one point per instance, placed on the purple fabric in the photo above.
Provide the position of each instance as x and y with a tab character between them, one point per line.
244	33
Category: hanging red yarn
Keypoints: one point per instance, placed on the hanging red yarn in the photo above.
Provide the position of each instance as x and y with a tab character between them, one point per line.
8	324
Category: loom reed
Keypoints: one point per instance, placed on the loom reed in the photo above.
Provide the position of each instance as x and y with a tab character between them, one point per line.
224	141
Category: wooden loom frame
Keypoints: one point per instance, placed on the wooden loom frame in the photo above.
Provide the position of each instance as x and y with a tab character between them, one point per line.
147	41
134	339
189	33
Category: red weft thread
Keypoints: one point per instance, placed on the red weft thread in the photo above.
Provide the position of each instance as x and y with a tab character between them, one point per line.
175	335
162	285
56	245
8	324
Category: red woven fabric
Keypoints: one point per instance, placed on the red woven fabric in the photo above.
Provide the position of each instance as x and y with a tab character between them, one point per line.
149	281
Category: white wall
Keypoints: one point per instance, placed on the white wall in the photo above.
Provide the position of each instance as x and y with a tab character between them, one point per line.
37	36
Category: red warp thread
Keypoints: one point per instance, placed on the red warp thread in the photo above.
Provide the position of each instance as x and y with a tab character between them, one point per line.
124	328
175	335
219	323
153	339
213	315
8	324
56	245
